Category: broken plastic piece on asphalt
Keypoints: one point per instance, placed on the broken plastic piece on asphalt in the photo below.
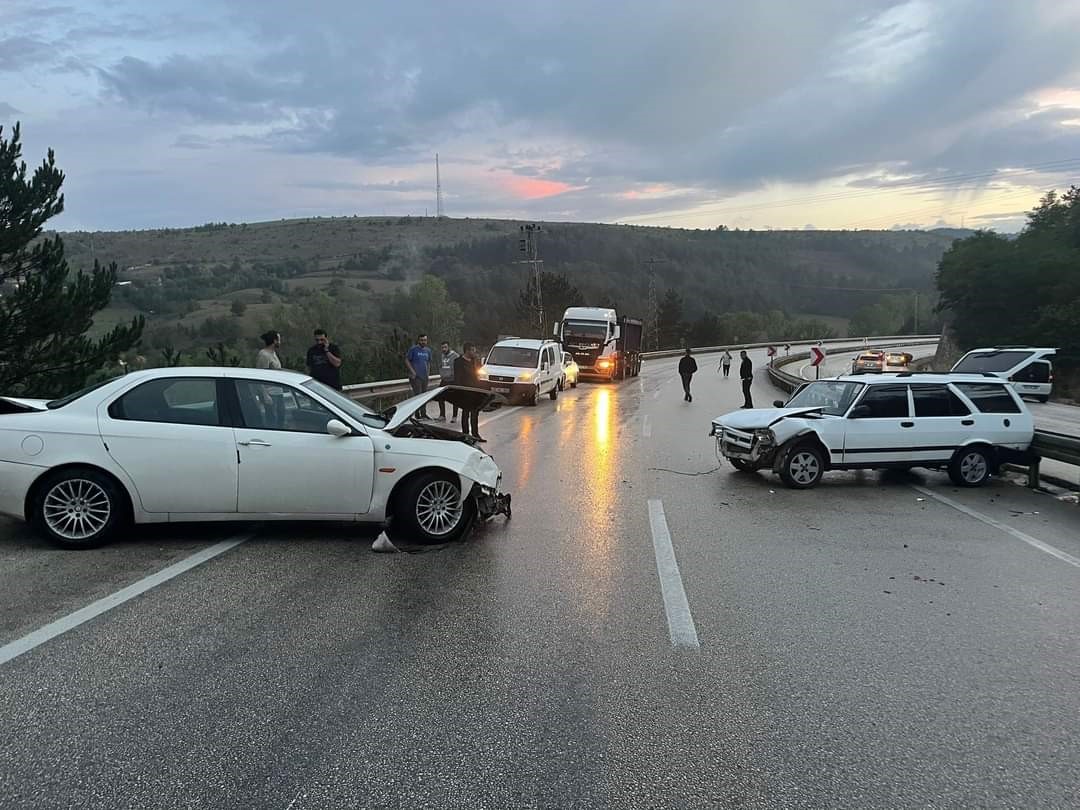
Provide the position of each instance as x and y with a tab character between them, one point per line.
383	545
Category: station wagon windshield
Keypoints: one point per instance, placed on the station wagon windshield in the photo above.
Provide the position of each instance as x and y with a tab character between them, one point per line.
832	396
513	356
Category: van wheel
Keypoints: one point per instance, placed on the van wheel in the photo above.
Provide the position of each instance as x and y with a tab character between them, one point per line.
1042	399
970	467
531	398
573	384
802	466
553	394
79	509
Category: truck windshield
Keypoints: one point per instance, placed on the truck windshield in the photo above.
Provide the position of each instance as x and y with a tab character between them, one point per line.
592	329
832	396
991	361
513	356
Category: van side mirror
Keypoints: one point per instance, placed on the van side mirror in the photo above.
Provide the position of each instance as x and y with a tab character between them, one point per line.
555	328
861	412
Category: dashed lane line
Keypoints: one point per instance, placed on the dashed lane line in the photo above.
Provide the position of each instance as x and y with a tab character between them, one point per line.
50	631
1034	542
680	621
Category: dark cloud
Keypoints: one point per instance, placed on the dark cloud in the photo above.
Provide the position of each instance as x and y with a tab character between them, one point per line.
22	52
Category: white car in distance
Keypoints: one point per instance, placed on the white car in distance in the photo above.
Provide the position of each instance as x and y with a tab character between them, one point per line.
227	444
968	424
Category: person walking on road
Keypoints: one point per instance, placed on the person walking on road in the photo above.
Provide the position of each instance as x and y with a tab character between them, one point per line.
447	357
268	356
687	369
725	363
324	360
465	367
418	362
746	374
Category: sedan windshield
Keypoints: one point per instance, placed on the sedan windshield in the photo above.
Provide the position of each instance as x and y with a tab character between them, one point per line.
832	396
359	412
513	356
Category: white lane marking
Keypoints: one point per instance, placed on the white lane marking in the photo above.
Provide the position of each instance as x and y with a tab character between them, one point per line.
656	394
997	524
680	622
50	631
646	427
506	411
292	804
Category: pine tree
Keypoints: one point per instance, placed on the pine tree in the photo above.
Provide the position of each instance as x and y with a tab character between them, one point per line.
45	311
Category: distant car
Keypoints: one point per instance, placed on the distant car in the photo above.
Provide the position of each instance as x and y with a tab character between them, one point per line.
571	372
1029	369
208	444
868	362
967	424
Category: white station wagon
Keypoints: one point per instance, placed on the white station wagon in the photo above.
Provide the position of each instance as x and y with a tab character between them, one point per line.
968	424
208	444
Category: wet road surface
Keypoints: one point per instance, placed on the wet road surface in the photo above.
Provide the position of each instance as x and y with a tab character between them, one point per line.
864	644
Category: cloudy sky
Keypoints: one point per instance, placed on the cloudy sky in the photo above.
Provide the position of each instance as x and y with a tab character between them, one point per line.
804	113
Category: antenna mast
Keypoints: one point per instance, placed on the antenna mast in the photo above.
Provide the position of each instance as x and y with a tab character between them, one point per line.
438	190
652	327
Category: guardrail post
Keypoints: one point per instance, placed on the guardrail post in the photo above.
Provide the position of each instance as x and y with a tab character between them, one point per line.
1033	473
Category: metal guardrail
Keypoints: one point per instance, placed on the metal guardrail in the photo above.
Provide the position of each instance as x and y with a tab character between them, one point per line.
1046	444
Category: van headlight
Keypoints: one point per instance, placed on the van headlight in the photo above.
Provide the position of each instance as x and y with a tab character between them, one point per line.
481	373
525	376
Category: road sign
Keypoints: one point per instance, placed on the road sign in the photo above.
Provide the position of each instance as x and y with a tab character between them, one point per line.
817	356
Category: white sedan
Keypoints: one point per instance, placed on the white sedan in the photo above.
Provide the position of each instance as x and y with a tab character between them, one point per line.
227	444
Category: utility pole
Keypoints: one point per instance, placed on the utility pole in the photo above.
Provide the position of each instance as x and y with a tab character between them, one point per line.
653	323
529	247
438	190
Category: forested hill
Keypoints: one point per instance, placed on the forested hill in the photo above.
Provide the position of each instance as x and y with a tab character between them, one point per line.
225	282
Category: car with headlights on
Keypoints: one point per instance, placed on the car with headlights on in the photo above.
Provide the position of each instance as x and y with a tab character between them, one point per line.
571	371
523	369
966	424
238	444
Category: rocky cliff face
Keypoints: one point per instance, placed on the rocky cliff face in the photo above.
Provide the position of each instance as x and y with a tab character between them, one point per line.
948	350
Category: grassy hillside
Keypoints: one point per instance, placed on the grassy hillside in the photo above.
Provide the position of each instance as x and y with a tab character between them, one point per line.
350	273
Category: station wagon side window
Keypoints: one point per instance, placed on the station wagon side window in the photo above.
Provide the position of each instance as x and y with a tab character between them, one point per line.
937	400
1037	372
990	397
173	400
886	402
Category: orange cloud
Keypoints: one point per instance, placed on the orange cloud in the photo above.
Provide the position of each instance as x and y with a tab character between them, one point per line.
533	188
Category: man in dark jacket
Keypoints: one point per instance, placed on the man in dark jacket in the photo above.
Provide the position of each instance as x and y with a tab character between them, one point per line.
465	367
746	373
687	369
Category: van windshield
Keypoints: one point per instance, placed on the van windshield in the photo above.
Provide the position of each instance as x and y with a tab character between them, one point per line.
513	356
991	361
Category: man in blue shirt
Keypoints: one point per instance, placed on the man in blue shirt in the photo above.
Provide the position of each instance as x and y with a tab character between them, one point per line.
418	361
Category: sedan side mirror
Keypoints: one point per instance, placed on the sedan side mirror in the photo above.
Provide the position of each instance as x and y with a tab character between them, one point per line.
778	403
336	427
861	412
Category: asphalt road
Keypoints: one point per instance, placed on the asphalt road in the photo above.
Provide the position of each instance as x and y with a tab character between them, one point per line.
860	645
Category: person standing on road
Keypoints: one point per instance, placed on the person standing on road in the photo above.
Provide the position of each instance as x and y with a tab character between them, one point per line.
268	356
324	360
418	362
447	356
725	363
687	369
465	367
746	374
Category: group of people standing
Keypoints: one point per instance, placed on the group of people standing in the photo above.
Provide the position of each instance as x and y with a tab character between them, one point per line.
688	368
454	369
324	358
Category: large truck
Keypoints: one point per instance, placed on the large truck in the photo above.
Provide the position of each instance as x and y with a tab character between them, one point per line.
604	345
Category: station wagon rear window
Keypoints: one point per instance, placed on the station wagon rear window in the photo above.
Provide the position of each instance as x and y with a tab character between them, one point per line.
991	361
990	397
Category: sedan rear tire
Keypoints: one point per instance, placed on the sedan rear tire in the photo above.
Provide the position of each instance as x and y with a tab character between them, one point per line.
79	508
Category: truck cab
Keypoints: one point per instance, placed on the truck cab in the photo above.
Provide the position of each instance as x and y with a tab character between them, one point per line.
602	344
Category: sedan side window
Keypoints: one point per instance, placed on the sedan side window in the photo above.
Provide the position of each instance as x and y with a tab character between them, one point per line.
885	402
270	406
175	400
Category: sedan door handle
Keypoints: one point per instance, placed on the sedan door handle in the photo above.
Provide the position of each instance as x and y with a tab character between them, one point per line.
254	443
907	424
967	421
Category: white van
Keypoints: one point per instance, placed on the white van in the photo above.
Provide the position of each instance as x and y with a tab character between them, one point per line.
521	368
1028	369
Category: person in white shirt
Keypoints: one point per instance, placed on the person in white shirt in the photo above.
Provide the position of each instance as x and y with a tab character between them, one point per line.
268	356
725	362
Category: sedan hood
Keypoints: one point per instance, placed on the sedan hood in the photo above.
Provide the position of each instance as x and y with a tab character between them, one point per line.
462	397
757	418
20	405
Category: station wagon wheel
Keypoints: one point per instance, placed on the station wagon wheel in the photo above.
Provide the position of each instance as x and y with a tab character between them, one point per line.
802	466
429	510
970	467
79	508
